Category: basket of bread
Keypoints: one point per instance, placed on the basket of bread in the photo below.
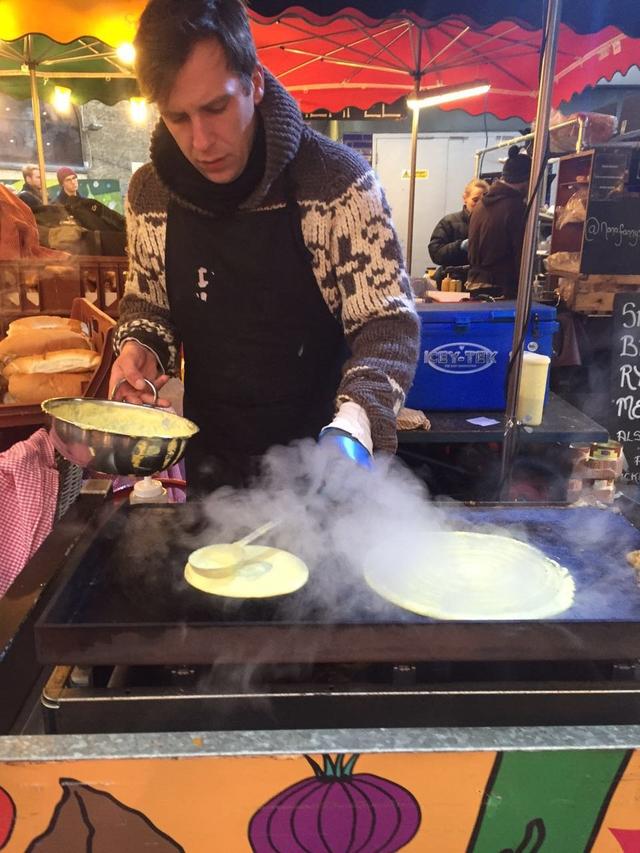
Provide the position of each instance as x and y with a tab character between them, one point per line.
45	356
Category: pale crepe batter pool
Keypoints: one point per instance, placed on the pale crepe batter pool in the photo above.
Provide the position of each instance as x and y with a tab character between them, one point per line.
476	576
262	572
122	418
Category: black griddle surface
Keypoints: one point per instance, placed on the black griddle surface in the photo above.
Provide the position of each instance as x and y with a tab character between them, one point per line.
126	601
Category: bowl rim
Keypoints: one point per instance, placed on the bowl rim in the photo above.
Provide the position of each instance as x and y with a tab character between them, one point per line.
49	406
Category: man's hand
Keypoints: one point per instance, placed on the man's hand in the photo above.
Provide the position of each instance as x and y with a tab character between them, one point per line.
350	432
347	445
135	364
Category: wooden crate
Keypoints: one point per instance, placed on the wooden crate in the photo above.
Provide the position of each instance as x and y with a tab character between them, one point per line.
17	421
39	286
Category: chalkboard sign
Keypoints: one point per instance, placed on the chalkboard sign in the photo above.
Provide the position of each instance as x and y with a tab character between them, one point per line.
624	423
611	243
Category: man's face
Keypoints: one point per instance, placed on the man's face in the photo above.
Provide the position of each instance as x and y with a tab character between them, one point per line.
33	179
472	197
210	113
70	185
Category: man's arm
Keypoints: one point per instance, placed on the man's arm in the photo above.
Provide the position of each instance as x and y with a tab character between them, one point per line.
377	310
144	308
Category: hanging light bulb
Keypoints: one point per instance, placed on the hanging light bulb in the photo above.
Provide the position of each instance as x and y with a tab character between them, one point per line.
138	110
62	99
126	53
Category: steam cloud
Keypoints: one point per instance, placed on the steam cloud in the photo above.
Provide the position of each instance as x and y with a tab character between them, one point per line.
334	515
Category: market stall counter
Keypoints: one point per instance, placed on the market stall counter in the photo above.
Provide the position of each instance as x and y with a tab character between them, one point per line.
561	423
117	606
126	648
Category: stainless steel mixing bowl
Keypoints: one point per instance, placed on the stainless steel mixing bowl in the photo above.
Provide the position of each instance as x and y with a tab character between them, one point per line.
117	438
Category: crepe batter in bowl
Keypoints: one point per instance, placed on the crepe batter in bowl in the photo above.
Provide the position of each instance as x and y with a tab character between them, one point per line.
249	571
476	576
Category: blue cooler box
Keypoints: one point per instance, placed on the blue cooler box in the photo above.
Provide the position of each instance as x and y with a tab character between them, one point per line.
464	353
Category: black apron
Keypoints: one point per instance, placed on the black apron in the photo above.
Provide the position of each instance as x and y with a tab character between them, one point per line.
263	353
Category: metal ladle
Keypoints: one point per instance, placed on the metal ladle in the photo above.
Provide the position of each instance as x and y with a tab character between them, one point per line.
224	560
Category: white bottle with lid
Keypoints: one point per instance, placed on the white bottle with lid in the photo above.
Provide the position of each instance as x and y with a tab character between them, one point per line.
148	491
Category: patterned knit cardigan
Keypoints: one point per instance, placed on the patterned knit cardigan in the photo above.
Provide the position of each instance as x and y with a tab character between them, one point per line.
356	259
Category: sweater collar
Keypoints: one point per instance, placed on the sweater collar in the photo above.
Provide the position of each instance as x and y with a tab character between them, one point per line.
282	121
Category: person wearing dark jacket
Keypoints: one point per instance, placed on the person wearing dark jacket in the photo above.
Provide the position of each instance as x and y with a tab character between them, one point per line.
31	192
496	231
448	243
68	181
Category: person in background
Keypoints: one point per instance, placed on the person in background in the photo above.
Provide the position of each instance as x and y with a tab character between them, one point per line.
31	192
496	230
448	243
265	250
68	181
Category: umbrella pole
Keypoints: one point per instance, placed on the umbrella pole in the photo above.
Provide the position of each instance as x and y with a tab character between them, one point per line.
35	106
415	122
523	304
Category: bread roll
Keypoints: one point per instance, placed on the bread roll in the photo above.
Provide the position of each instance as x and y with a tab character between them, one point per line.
34	388
44	321
36	341
58	361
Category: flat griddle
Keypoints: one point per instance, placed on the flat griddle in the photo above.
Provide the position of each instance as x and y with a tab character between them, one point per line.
125	601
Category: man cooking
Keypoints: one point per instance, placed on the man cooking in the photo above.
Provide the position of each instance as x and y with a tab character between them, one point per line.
263	248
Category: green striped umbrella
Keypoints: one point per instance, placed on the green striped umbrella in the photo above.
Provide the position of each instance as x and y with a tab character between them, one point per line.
31	66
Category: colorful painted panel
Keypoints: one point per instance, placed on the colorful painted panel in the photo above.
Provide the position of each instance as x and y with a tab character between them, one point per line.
483	802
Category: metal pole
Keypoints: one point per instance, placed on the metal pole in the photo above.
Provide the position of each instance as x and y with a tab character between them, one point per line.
415	121
35	106
515	140
523	302
580	139
476	164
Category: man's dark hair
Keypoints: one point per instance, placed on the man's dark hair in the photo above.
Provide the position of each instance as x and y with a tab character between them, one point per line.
169	30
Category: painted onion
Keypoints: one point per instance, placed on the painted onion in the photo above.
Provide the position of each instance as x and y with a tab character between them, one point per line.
336	811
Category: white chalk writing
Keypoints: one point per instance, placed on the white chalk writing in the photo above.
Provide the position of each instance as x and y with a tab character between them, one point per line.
627	435
629	377
630	315
628	407
617	234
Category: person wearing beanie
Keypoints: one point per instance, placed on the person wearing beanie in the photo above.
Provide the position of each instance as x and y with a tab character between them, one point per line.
68	181
496	230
